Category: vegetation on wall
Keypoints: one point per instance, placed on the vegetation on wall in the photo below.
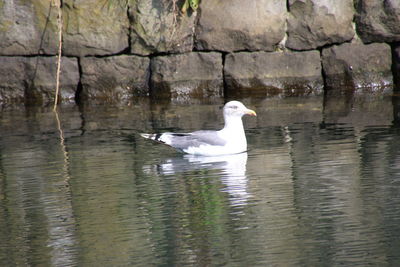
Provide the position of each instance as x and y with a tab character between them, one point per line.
182	5
193	4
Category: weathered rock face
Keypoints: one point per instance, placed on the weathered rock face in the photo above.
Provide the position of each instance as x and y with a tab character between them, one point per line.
33	78
187	75
90	28
105	34
158	26
93	28
115	78
232	25
355	66
315	23
12	78
278	73
378	20
27	27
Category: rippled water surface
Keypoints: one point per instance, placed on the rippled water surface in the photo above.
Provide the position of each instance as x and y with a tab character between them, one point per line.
319	186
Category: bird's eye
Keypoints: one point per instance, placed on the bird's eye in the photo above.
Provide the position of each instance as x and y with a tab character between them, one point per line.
234	107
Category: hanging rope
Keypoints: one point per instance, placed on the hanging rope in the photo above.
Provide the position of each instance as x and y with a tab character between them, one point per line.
59	24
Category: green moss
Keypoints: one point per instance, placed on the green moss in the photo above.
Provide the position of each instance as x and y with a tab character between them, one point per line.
92	17
46	15
5	25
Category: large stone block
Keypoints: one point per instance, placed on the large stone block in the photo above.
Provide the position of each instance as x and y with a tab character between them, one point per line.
179	77
315	23
92	27
378	20
33	79
115	78
276	73
28	27
12	74
158	26
241	25
359	67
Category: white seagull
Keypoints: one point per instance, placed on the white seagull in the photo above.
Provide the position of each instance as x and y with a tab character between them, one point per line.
230	140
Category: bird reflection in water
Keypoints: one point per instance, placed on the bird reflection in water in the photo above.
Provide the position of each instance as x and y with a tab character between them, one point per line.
230	168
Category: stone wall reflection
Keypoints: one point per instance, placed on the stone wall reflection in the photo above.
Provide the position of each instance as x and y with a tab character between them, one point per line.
304	194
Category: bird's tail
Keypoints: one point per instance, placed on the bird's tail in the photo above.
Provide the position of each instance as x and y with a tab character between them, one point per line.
155	137
147	136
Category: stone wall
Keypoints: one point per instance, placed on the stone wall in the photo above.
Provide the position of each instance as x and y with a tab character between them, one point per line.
113	50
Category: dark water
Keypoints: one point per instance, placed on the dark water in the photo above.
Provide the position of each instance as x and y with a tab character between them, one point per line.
320	186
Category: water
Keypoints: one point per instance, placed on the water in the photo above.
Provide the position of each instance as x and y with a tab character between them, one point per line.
319	186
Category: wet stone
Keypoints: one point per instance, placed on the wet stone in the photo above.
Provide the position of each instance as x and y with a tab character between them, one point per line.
115	78
196	74
358	67
33	79
277	73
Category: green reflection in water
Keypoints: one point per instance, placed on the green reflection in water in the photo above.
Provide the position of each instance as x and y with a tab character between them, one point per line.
319	186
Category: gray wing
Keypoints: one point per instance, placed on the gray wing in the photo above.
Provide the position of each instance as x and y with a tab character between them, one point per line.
195	139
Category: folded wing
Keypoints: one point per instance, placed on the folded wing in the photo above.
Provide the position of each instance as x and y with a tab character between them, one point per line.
182	141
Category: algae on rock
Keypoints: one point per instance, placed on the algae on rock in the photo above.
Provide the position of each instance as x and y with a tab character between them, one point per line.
156	28
92	28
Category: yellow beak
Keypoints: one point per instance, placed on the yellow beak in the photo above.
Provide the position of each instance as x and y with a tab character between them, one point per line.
251	112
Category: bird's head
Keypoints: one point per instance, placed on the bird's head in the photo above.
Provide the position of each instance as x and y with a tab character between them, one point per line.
236	108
